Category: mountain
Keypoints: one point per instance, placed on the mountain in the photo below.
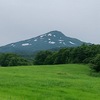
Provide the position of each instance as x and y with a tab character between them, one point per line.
53	39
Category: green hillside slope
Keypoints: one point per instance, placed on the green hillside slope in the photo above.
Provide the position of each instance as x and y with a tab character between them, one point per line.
58	82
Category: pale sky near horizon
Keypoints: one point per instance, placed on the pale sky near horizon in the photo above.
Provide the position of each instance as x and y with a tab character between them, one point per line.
24	19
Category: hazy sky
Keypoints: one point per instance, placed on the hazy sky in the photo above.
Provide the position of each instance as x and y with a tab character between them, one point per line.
23	19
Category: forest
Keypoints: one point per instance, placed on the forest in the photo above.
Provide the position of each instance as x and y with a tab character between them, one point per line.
85	54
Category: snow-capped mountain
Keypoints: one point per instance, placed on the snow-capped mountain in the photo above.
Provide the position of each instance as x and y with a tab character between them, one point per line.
53	39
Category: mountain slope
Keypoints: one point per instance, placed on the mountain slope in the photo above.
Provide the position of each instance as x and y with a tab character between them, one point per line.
53	39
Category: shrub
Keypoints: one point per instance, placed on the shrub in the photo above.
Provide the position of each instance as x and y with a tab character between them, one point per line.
96	63
10	59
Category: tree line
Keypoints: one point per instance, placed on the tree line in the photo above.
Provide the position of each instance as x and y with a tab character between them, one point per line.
10	59
82	54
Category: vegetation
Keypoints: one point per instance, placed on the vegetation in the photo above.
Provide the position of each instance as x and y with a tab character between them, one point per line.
55	82
82	54
41	56
10	59
61	82
96	63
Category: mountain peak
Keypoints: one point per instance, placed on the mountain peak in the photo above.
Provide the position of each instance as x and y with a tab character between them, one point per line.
51	35
52	39
55	32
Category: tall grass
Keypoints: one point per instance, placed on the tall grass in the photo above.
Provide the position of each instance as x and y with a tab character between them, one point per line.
56	82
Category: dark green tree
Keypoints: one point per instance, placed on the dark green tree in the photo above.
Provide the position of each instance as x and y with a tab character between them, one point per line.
51	58
41	57
96	63
10	59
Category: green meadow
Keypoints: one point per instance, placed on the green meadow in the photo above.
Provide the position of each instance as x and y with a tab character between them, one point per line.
49	82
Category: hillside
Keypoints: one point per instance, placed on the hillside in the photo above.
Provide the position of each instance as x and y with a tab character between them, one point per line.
58	82
50	40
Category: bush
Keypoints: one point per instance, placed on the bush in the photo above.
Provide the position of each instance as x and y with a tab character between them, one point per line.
41	56
96	63
10	59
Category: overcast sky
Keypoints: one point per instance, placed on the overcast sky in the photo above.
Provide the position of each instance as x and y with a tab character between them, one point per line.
24	19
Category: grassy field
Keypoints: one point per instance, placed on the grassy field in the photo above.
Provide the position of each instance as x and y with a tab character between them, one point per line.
58	82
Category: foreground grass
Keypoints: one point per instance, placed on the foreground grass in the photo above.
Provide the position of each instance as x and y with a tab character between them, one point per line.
58	82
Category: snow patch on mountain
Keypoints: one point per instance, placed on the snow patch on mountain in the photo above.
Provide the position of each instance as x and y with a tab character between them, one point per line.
35	40
54	35
71	42
41	36
49	39
51	42
12	45
49	34
60	40
26	44
64	43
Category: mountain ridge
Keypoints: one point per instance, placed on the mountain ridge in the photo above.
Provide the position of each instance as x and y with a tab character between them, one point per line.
52	39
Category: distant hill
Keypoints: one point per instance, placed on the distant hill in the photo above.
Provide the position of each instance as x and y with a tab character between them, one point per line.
50	40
